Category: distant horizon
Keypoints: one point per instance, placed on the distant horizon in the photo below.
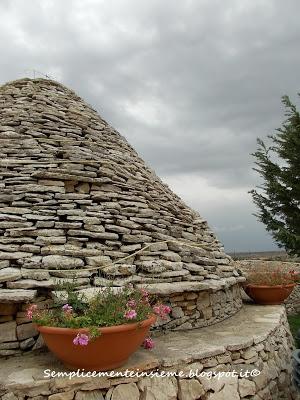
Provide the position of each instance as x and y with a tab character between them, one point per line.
256	252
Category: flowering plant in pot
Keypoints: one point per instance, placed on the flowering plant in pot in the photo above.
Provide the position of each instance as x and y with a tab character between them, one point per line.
99	334
270	286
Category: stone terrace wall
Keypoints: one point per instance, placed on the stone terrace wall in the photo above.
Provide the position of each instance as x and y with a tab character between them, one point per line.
292	303
269	353
194	308
191	308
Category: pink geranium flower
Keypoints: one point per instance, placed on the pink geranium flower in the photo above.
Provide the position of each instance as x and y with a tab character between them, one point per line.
31	310
130	314
67	309
161	310
131	304
144	293
166	309
148	343
145	296
81	339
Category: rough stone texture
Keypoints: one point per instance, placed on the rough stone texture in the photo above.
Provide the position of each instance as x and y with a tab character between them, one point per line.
292	303
262	330
89	395
199	308
63	396
126	391
70	179
26	331
190	389
246	387
8	332
9	274
158	388
78	203
17	295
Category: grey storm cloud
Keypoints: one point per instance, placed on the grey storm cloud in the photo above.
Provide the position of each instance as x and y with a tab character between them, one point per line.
190	84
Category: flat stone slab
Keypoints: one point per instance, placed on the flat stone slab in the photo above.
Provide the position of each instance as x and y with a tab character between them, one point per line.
250	325
17	295
179	287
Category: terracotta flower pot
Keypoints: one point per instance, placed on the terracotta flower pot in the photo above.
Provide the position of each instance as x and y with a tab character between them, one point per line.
268	295
108	351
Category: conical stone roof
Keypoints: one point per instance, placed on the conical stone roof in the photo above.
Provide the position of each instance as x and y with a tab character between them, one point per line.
76	197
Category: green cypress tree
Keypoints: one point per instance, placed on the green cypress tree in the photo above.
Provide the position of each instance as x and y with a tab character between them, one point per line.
278	198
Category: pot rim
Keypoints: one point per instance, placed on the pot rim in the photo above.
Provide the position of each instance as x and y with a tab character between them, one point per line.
288	285
105	329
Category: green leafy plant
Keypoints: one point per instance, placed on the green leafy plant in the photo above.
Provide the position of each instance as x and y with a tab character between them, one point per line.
109	307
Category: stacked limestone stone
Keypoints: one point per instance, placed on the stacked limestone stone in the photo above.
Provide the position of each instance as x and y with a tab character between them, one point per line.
252	363
75	198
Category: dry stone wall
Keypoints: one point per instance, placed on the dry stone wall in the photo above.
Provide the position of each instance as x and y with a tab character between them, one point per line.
250	367
191	308
77	203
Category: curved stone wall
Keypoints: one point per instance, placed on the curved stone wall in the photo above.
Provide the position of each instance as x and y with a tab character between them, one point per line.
192	307
245	357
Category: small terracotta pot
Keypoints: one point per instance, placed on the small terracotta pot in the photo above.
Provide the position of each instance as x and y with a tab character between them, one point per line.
269	295
108	351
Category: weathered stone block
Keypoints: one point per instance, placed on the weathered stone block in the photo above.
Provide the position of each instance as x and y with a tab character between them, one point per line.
14	256
39	344
97	261
126	391
26	331
27	343
9	274
69	395
249	353
9	345
16	295
136	238
246	387
203	300
61	262
83	187
157	388
262	379
177	312
190	389
8	309
8	331
4	264
171	256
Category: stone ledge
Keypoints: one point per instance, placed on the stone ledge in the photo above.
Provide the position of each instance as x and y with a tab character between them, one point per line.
213	346
17	295
179	287
190	310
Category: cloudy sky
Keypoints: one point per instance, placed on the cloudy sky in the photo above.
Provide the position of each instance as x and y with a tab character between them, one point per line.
190	84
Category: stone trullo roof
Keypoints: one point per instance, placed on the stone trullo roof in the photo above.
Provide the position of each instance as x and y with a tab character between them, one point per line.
75	197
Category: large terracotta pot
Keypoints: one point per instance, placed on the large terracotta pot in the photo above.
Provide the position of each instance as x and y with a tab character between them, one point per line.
269	295
109	350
